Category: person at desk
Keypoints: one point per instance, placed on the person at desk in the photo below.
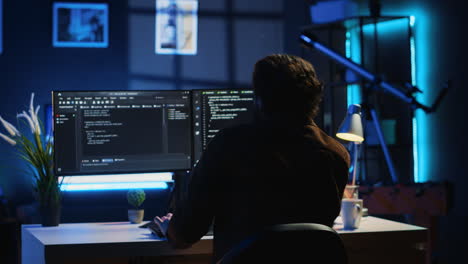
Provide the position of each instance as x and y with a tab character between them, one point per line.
281	169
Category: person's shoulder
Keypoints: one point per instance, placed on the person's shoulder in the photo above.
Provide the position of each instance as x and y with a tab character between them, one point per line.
341	150
332	144
233	135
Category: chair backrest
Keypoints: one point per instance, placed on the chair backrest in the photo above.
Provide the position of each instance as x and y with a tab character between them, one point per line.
290	243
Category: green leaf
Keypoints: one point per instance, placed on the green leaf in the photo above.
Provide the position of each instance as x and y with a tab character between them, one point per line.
37	152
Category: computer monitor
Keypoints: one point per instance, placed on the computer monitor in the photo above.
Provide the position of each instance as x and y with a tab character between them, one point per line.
109	132
214	110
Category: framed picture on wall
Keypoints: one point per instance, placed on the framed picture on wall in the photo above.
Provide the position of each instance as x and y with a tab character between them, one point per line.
80	25
176	27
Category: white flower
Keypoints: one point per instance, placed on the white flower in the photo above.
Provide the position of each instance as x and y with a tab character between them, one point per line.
10	128
31	104
33	116
38	126
7	139
29	119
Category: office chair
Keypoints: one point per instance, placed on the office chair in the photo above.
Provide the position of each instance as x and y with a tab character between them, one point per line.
290	243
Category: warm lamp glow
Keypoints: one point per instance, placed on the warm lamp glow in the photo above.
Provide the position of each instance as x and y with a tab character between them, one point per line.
351	127
350	137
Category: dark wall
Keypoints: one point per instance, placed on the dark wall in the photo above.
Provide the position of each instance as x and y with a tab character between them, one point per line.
29	64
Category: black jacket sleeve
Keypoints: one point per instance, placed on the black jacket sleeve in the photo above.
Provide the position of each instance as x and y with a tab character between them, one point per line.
192	218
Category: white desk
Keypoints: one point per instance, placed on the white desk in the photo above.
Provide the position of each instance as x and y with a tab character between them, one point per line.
376	241
382	241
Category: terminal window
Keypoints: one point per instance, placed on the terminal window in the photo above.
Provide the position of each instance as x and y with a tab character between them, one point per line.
121	131
214	110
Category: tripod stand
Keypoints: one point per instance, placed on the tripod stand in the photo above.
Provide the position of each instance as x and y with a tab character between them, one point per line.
369	109
376	83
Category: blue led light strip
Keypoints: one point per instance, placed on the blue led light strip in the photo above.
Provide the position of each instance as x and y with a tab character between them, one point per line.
353	53
414	120
113	186
116	181
419	120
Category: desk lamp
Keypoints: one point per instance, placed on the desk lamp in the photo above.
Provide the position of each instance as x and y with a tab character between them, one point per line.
351	130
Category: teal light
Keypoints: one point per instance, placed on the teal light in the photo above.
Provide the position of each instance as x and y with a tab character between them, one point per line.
413	52
414	120
353	52
421	60
387	27
349	93
423	45
116	181
420	45
415	151
348	44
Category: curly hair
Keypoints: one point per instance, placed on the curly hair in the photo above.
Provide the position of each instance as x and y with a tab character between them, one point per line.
287	84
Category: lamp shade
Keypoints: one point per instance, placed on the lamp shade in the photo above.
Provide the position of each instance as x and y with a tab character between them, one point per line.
351	127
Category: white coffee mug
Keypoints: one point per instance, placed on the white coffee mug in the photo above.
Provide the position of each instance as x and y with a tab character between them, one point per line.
351	213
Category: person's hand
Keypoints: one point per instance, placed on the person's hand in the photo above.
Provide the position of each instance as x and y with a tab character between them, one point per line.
163	222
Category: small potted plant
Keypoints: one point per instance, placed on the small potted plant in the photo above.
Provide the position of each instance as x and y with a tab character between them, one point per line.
135	198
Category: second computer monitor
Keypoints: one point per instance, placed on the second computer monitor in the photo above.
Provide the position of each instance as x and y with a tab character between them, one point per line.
214	110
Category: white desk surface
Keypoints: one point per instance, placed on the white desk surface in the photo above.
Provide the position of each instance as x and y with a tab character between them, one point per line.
122	238
374	224
91	233
119	232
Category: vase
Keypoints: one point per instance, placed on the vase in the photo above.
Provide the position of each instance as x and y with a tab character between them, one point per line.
50	215
135	216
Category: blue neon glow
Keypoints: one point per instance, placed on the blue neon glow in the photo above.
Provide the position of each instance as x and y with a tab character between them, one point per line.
307	39
414	120
349	97
348	44
113	186
116	181
353	52
422	50
422	65
412	21
413	56
387	27
88	25
415	151
421	47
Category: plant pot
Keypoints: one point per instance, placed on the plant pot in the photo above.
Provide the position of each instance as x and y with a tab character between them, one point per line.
50	215
135	216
